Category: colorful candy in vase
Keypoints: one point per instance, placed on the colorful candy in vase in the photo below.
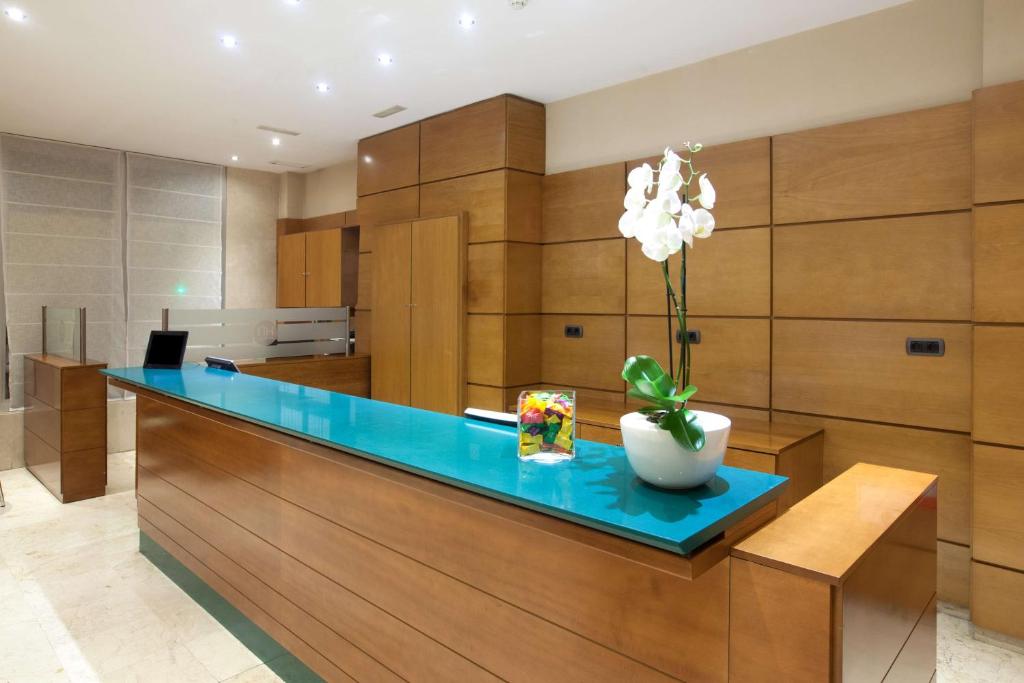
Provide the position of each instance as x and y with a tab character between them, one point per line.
547	425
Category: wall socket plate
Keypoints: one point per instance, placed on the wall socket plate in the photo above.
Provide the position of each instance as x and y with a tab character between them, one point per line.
574	331
694	336
924	346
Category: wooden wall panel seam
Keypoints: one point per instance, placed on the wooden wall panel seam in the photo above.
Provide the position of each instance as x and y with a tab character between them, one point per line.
854	219
938	430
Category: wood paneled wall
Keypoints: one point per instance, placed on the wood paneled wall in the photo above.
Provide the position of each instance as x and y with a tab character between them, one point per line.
833	246
484	161
997	570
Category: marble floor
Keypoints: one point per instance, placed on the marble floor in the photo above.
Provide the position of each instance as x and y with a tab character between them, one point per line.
79	603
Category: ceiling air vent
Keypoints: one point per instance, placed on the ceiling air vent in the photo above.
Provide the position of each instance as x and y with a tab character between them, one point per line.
280	131
288	164
390	111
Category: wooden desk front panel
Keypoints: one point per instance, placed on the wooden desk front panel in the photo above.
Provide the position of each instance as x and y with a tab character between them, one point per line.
474	588
349	375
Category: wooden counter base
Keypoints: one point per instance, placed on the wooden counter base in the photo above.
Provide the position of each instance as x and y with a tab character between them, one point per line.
384	575
366	572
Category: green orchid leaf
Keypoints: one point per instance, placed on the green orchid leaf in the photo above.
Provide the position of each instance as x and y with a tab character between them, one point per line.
684	395
646	374
684	428
659	402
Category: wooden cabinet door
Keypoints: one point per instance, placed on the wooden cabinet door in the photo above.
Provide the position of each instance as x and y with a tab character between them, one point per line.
291	266
323	268
392	282
438	274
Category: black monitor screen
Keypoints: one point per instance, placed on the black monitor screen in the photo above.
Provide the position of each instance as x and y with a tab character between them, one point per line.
166	349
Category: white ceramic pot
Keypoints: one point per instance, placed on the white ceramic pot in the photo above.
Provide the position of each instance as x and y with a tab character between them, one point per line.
658	459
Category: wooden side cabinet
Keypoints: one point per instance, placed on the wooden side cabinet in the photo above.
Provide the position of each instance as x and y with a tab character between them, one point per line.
66	426
310	268
419	314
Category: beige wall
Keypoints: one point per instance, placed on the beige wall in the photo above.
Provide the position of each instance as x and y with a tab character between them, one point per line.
292	193
330	190
250	239
1003	48
923	53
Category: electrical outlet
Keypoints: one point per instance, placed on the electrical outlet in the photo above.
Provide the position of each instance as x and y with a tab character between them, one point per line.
574	331
694	336
919	346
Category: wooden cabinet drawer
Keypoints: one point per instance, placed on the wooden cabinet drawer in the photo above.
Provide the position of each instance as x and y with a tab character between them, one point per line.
731	364
600	434
912	268
912	162
468	140
999	143
480	196
999	263
42	382
729	274
584	277
83	387
997	599
999	506
947	455
740	171
43	421
389	161
584	204
593	361
748	460
383	208
999	385
83	473
862	370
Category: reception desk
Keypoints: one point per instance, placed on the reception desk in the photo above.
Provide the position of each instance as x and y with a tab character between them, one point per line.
380	542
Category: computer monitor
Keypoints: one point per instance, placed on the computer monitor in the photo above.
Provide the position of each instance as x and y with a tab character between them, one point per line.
166	349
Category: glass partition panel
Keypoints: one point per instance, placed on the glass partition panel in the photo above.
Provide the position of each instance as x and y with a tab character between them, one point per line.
62	332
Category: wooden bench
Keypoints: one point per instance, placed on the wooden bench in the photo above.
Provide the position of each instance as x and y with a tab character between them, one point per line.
790	450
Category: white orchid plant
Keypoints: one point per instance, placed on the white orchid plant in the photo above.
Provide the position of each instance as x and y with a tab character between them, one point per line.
659	215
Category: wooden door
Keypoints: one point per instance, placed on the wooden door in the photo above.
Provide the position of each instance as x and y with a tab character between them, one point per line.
291	266
392	281
438	274
323	268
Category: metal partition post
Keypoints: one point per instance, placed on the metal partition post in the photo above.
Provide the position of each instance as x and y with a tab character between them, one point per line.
44	330
81	335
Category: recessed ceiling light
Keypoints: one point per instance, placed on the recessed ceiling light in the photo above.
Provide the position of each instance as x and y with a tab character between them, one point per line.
292	2
229	41
15	14
276	142
234	157
467	21
322	87
384	59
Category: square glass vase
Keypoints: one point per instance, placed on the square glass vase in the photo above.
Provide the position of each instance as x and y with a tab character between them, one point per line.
546	425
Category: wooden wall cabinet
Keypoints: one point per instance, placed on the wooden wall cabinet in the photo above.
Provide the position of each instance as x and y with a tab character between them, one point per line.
389	161
311	268
502	132
66	426
419	314
385	207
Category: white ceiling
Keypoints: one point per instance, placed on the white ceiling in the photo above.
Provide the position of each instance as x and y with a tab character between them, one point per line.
150	75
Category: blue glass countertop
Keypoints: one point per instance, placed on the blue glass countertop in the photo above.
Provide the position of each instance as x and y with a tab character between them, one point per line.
597	489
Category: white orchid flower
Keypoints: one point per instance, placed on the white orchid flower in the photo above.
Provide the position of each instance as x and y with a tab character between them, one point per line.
629	220
656	251
641	177
671	163
707	192
668	202
673	238
704	223
635	199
